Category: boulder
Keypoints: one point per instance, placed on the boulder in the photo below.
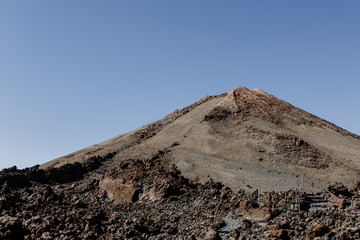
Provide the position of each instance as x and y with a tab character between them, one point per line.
337	188
212	235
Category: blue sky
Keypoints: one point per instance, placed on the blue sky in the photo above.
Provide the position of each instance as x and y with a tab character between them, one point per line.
75	73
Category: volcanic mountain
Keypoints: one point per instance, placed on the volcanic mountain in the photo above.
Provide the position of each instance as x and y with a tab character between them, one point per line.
245	139
240	165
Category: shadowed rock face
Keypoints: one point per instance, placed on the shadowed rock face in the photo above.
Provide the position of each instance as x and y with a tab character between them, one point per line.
231	166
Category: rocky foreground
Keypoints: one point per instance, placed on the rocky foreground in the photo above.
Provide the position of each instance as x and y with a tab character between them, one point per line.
159	203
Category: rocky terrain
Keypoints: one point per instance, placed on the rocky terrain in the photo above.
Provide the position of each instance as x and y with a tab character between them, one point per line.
240	165
152	200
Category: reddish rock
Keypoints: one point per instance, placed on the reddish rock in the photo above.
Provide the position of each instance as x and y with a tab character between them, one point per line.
316	230
212	235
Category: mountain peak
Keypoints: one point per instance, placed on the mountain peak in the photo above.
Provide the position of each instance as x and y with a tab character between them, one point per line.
244	103
255	132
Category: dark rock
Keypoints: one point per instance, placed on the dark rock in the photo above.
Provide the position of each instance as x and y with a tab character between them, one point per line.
338	188
356	187
11	228
317	230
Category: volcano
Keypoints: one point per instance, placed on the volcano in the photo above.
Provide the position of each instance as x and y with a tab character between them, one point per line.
244	139
240	165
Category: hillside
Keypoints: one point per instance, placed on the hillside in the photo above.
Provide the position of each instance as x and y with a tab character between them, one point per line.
242	138
240	165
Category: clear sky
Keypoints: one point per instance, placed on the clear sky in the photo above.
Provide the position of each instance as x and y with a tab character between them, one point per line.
75	73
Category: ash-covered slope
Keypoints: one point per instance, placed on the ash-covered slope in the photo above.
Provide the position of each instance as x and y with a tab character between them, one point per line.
244	139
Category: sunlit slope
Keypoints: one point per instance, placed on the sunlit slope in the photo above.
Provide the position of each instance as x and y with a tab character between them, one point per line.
245	139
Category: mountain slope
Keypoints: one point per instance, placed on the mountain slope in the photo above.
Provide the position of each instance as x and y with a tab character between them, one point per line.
244	139
159	179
